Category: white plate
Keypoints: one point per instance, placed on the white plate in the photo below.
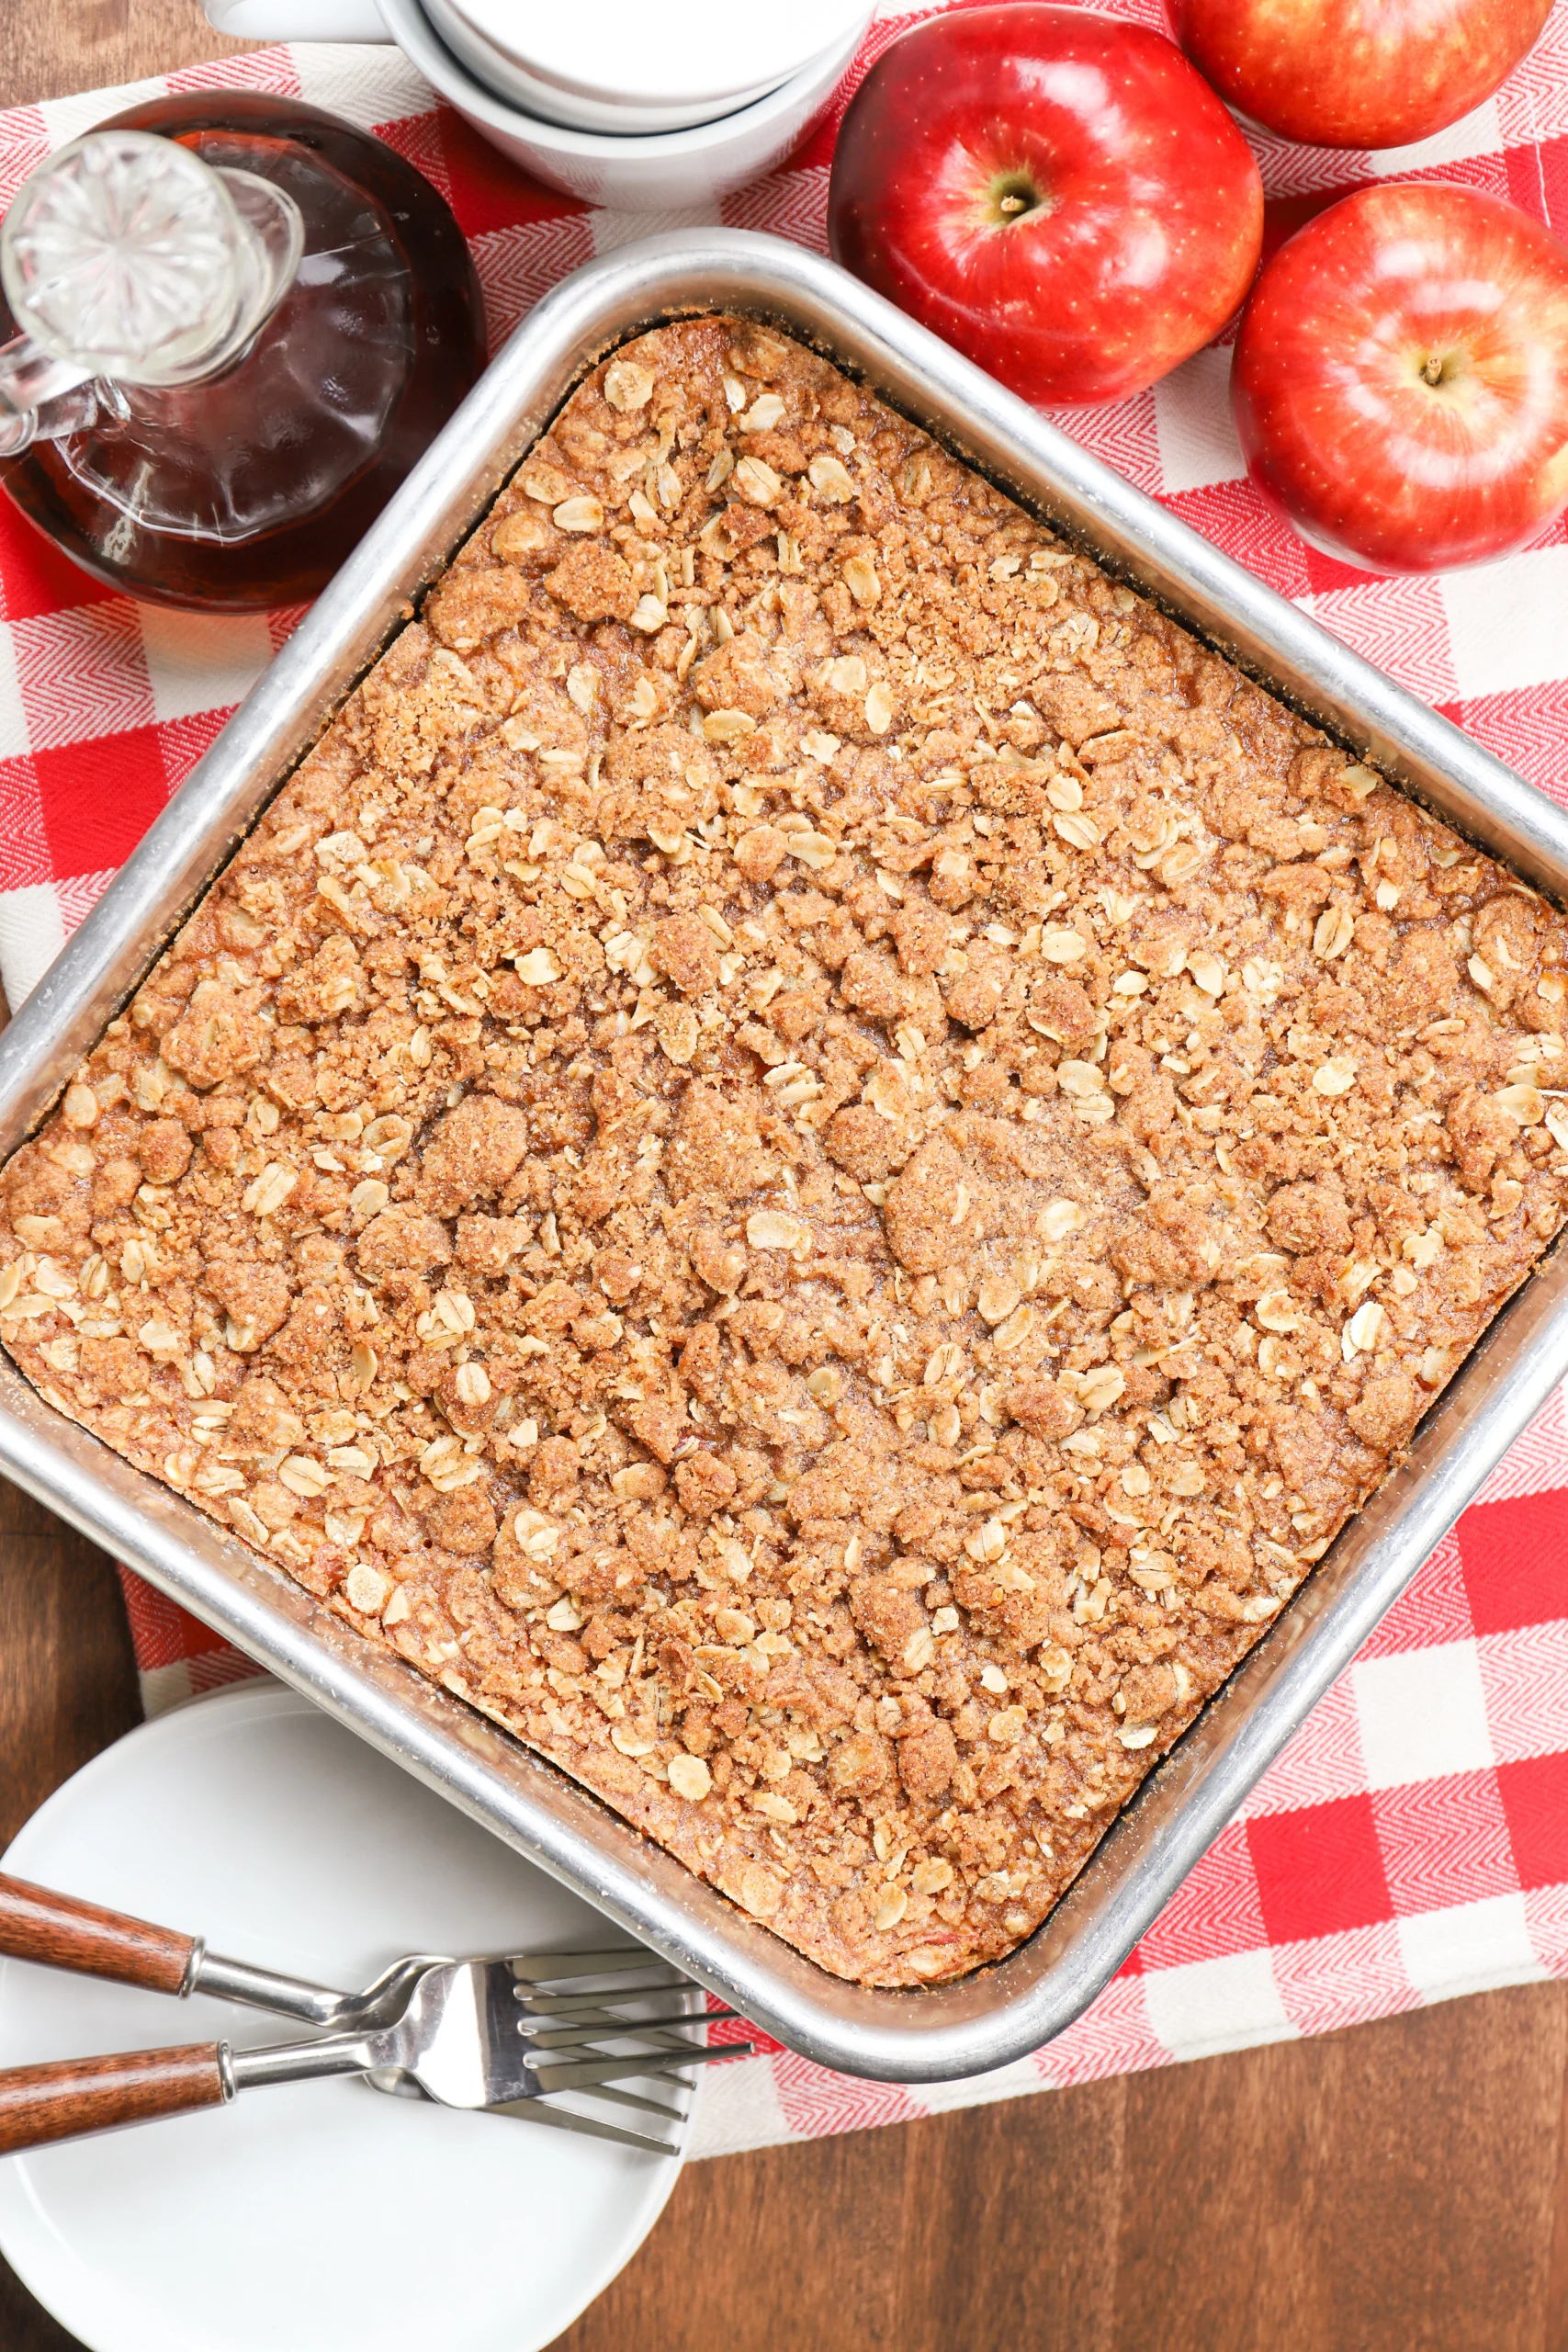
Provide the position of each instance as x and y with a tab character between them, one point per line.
315	2217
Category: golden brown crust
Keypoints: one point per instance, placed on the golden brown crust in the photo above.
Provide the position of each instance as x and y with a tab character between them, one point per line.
810	1156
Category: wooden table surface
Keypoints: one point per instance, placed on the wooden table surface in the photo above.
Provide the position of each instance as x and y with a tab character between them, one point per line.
1401	2186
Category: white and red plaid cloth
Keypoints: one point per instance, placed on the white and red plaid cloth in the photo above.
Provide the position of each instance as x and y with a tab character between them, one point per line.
1412	1842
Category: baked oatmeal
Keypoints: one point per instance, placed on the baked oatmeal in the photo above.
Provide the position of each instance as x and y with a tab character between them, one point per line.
810	1156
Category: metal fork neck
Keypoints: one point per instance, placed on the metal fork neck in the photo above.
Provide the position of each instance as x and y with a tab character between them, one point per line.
305	2062
258	1988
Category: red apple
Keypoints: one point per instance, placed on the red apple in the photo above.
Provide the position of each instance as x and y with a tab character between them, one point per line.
1056	193
1401	377
1357	73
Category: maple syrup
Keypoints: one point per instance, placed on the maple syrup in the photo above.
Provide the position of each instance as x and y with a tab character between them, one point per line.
248	486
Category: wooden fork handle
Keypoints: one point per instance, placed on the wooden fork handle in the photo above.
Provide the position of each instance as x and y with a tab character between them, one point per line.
62	1932
76	2096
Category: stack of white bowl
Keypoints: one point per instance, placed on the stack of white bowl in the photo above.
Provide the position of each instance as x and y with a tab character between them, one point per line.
642	106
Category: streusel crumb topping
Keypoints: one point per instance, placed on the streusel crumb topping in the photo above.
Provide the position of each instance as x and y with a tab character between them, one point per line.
810	1156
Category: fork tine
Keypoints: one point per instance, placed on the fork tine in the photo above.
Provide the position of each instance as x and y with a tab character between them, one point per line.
572	2005
592	2016
583	2040
581	2036
392	2079
565	2119
547	1968
661	2037
588	1988
665	2044
629	1955
636	2098
600	2026
578	2073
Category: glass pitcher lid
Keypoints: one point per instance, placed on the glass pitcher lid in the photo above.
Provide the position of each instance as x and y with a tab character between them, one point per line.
120	255
126	256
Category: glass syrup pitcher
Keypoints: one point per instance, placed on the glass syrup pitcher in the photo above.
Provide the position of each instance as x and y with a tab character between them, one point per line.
239	322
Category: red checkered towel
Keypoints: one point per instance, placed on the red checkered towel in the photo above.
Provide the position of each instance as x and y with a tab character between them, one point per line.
1412	1842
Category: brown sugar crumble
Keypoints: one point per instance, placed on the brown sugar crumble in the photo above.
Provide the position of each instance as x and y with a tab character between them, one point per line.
810	1156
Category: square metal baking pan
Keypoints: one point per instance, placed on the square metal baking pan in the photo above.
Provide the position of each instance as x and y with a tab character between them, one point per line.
997	2014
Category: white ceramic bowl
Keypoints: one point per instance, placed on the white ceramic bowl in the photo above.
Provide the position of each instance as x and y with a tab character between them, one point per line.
638	87
658	172
508	78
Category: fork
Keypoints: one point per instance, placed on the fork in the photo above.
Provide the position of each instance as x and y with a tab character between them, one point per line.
478	2034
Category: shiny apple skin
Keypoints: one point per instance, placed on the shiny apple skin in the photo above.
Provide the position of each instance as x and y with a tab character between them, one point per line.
1368	459
1145	209
1357	73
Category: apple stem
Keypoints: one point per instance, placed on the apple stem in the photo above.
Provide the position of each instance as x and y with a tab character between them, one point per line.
1432	371
1011	197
